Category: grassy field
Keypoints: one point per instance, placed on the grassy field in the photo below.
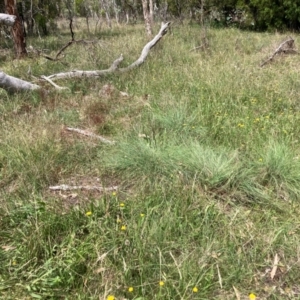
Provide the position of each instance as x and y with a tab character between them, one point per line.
206	162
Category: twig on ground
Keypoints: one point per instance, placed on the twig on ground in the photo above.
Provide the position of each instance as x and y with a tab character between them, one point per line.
199	47
65	187
90	134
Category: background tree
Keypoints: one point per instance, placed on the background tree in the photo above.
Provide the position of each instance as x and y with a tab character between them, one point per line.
148	15
17	29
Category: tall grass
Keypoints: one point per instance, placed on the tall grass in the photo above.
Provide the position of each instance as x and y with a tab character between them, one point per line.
206	161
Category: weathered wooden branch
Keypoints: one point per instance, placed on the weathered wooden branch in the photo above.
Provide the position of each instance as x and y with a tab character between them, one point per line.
13	84
114	67
54	84
8	20
90	134
287	47
65	187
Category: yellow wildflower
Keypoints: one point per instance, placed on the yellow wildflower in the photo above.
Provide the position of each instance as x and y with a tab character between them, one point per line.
110	297
114	193
142	215
122	204
252	296
88	213
195	289
123	227
161	283
130	289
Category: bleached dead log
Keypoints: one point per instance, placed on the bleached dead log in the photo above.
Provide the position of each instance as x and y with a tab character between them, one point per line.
114	67
96	73
8	20
13	84
65	187
287	47
90	134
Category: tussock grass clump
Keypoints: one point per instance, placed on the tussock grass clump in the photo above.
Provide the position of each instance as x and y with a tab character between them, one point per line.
205	160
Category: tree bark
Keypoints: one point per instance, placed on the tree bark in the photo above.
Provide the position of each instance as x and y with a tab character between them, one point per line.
17	29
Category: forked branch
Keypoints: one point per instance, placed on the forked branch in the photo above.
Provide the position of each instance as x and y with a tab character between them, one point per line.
114	67
14	84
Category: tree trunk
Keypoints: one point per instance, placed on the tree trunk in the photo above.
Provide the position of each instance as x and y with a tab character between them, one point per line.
147	16
17	29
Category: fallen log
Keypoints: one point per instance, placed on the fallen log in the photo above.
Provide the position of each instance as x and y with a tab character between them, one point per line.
8	20
114	67
13	84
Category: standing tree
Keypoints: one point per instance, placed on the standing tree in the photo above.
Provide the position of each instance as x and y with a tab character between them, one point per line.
17	29
148	15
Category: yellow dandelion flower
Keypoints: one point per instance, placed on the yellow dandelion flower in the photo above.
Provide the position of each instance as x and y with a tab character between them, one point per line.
195	289
110	297
142	215
130	289
114	193
123	227
252	296
88	213
161	283
122	204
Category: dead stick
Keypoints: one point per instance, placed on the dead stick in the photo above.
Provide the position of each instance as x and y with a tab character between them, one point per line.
65	187
90	134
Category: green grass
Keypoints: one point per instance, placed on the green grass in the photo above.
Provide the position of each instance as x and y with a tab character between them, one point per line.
206	161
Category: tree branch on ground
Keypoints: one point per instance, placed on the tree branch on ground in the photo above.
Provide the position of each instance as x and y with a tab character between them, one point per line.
90	134
114	67
65	187
54	84
286	47
13	84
